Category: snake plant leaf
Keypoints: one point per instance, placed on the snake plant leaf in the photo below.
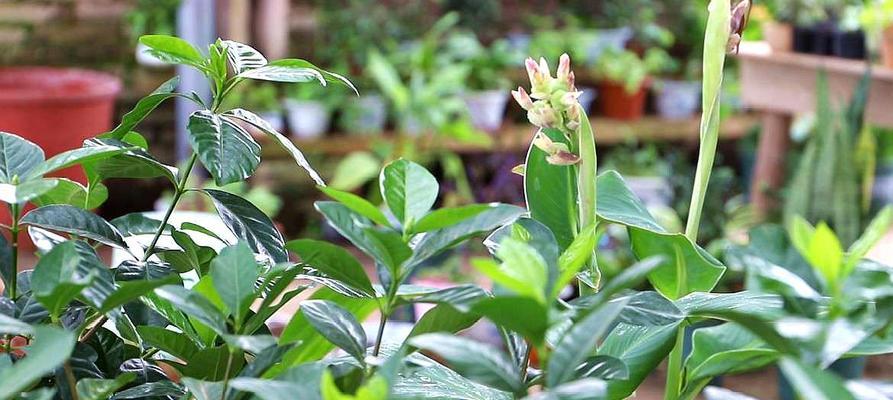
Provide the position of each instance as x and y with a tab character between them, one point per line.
249	224
280	139
17	157
551	192
225	148
143	107
685	268
476	361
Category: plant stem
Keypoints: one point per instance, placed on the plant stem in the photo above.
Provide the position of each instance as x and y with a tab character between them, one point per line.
14	232
674	367
229	365
181	188
72	382
380	334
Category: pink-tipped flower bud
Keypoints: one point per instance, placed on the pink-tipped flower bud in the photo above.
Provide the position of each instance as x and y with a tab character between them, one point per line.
544	67
542	141
532	70
542	115
563	158
564	67
522	98
570	99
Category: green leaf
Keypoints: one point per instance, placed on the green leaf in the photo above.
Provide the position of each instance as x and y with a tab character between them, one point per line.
150	389
333	261
226	149
409	190
522	271
194	305
574	257
254	344
358	205
580	341
462	297
626	279
445	217
72	193
243	57
284	142
603	367
102	389
173	343
443	318
7	268
551	192
203	390
26	191
584	389
431	380
478	362
74	157
434	242
138	224
812	383
173	50
76	221
763	305
293	70
133	163
650	308
523	315
875	230
143	107
17	156
723	349
266	389
234	273
50	347
58	277
641	348
211	363
357	229
249	224
337	325
129	291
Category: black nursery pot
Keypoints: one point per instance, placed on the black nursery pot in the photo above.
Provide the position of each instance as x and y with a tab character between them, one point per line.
850	44
803	38
823	40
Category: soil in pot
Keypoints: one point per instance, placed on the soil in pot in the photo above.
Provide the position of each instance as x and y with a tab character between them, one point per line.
307	119
617	103
779	35
678	99
850	44
486	109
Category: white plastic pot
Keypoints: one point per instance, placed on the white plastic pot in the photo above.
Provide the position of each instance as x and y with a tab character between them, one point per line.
365	115
274	118
678	99
487	108
307	119
652	190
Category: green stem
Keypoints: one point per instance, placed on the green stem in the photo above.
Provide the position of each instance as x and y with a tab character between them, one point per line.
229	366
380	334
674	367
181	188
14	232
72	382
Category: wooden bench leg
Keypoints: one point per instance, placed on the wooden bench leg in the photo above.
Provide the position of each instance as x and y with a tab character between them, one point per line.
769	169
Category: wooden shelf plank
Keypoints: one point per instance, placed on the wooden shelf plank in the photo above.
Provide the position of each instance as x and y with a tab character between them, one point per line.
516	138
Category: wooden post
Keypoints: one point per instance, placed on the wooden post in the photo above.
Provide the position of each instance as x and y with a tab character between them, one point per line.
271	27
769	168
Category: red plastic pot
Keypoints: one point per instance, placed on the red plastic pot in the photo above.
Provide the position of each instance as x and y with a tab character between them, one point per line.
57	108
617	103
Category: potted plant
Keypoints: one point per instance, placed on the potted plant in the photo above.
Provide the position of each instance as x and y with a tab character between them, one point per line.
877	21
645	172
364	115
486	86
677	96
309	110
778	29
152	17
623	79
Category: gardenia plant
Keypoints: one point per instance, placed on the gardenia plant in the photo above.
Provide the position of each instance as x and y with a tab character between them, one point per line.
185	316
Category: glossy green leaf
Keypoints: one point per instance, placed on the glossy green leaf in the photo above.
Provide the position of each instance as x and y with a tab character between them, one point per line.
574	257
143	107
243	57
58	277
73	193
234	273
551	192
129	291
522	271
723	349
358	205
249	224
17	157
203	390
338	325
266	389
650	308
173	50
50	347
459	296
334	262
194	305
358	230
766	306
76	221
478	362
641	348
408	189
812	383
628	278
26	191
444	217
524	315
443	318
431	380
584	389
102	389
284	142
293	70
603	367
150	389
211	363
876	229
580	341
135	162
173	343
226	149
74	157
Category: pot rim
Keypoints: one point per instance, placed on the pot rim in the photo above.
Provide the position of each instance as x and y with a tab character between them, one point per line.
55	85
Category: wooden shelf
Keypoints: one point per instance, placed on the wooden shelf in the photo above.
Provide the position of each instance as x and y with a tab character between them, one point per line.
516	138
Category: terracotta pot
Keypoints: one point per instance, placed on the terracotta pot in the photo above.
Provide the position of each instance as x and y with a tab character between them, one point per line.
57	109
887	47
617	103
779	35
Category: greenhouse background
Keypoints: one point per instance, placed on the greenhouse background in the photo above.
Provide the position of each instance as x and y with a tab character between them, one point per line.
805	134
